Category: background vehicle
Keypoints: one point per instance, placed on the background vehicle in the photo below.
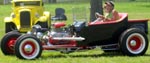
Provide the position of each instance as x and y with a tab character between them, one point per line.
25	14
127	36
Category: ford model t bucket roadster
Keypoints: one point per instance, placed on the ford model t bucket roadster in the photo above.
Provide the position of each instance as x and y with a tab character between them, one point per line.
126	36
25	14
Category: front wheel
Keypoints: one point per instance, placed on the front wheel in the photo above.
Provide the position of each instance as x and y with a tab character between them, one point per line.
133	42
8	42
28	47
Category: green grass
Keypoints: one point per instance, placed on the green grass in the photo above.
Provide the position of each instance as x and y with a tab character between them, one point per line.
135	10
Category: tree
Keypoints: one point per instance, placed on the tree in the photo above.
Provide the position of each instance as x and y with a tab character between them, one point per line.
132	0
96	6
52	1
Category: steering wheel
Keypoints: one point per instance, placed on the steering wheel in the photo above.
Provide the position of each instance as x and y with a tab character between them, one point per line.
97	14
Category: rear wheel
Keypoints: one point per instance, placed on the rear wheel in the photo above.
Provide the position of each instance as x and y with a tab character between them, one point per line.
133	42
28	47
8	42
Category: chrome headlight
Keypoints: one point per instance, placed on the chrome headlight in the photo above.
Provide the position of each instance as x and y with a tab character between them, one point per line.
37	15
13	15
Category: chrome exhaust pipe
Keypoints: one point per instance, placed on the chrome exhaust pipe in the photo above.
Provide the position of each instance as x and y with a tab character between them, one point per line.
69	38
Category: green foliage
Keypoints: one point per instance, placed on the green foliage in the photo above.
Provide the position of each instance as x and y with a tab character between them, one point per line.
132	0
135	10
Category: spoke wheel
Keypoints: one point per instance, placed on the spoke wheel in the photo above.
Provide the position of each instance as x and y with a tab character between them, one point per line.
28	47
134	42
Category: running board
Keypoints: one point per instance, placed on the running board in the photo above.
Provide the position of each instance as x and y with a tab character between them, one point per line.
110	47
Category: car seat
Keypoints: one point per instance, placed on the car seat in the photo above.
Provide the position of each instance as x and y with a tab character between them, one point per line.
59	14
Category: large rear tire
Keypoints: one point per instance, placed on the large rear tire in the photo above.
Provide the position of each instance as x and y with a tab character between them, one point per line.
8	42
133	42
28	47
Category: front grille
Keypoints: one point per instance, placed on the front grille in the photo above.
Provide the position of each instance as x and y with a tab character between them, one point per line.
25	19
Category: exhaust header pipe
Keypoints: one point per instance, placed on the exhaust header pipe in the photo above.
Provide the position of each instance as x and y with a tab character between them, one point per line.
69	38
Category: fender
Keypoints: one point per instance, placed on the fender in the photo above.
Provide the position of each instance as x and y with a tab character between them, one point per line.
48	15
8	19
42	19
45	17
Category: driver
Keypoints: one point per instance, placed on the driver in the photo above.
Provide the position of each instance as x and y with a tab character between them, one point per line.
110	13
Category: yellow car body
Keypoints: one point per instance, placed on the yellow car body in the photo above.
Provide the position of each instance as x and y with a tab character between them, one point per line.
25	14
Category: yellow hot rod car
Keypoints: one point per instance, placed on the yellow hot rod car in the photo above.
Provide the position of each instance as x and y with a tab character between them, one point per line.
25	14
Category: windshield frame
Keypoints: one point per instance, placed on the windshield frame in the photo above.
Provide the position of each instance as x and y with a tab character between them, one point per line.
27	3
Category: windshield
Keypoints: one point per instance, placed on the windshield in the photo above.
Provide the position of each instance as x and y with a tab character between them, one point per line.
29	3
80	14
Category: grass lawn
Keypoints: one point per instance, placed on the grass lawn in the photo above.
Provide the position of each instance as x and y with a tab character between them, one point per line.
135	10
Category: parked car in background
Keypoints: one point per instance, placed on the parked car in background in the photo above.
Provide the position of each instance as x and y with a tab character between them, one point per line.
25	14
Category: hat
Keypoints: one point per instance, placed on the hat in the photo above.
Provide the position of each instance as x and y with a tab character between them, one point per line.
110	2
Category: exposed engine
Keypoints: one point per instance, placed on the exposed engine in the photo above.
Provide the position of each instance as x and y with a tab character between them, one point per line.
57	35
64	38
59	30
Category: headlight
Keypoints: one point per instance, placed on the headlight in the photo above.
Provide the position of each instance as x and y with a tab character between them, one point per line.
13	15
37	15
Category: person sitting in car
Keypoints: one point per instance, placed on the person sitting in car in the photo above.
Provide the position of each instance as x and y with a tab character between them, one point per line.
110	13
